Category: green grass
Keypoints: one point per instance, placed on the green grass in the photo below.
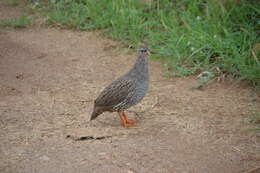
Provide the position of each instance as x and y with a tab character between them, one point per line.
20	22
193	36
12	2
255	118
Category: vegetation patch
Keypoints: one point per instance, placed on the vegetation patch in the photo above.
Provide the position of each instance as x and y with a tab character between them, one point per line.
20	22
220	37
255	119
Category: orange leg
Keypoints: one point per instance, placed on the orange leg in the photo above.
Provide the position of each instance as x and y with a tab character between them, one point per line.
125	121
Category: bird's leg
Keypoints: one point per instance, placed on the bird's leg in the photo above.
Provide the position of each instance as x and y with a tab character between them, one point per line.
125	121
131	122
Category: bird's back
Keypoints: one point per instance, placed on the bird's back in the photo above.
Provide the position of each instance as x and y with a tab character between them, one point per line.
114	94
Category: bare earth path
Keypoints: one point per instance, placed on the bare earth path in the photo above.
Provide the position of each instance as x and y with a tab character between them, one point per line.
48	80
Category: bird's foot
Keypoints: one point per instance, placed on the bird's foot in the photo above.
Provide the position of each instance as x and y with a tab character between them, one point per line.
130	122
126	122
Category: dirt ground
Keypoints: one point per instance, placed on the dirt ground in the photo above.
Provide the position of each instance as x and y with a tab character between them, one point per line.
48	80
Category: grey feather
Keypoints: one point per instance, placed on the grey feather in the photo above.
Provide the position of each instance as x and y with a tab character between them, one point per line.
127	90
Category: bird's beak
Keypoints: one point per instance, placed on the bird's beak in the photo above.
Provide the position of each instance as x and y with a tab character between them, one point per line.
148	53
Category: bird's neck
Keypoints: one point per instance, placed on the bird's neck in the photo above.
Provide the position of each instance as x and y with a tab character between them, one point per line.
140	68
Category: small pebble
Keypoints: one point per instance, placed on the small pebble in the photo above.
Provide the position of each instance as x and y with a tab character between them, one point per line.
101	154
44	157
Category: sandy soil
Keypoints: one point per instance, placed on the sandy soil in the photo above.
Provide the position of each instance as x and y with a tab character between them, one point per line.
49	79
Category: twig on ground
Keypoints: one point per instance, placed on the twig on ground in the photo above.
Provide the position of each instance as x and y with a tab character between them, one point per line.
254	170
82	138
85	101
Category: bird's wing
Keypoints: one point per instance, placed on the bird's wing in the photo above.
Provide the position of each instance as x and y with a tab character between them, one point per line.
115	93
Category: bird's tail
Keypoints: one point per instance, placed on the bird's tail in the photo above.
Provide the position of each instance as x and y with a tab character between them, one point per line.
95	114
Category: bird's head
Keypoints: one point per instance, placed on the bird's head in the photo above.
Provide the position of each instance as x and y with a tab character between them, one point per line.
143	51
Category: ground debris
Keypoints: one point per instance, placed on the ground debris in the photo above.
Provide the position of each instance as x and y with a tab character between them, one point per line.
82	138
96	133
44	158
254	170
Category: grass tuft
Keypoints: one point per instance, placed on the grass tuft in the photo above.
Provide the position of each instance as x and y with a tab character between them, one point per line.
193	36
255	118
20	22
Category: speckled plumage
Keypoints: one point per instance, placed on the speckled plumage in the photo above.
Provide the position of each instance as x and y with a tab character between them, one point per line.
127	90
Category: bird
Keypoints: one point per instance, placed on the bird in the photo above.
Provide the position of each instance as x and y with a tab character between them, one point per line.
126	91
